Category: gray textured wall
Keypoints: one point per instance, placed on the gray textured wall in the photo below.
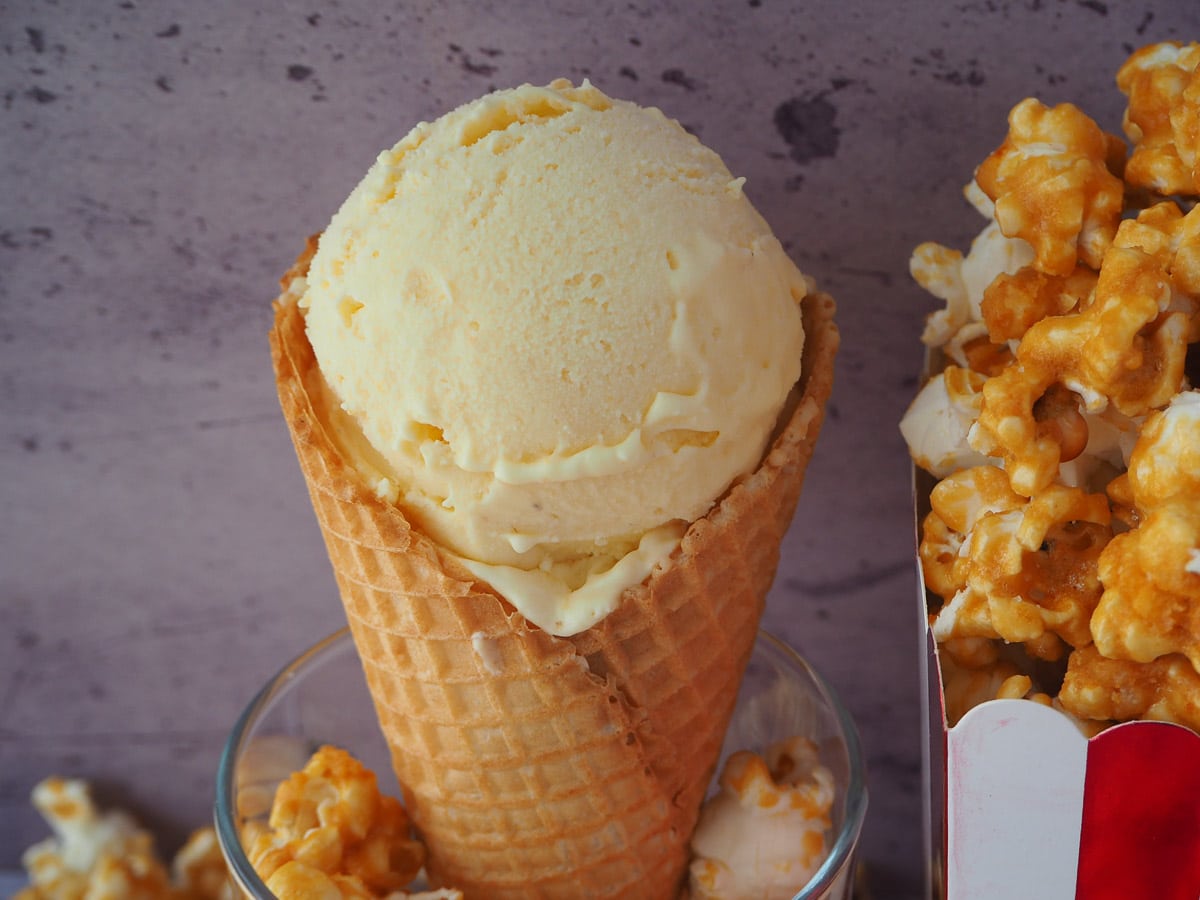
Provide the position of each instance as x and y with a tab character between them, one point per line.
161	164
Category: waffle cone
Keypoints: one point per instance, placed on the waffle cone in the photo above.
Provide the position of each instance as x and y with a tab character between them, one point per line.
541	766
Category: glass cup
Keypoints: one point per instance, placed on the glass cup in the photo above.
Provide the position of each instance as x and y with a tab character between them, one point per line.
321	697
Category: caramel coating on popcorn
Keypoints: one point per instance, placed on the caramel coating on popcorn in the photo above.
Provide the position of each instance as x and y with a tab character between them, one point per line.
984	356
1097	329
1123	348
1151	602
1165	465
1024	571
199	870
959	329
789	777
1166	689
1031	574
1012	304
331	833
1052	185
1162	119
938	270
1173	239
971	653
965	686
957	503
1136	618
1134	350
106	856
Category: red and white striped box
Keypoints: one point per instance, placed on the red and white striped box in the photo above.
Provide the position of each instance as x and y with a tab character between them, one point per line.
1021	805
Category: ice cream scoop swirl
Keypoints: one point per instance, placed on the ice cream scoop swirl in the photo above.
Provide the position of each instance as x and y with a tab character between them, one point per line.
555	325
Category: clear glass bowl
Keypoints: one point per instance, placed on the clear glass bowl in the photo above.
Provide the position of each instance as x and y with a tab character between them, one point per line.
321	697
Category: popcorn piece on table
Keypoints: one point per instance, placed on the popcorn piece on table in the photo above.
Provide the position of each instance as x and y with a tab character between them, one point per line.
1162	82
1053	184
1125	347
105	856
765	833
1028	569
93	854
1098	688
332	834
1151	602
199	871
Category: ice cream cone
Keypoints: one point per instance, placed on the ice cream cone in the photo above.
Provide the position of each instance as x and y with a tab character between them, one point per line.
543	766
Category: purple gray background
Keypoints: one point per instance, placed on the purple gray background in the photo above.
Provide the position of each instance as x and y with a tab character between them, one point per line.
160	166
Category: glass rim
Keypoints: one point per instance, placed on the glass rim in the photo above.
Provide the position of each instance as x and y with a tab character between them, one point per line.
224	813
225	804
855	812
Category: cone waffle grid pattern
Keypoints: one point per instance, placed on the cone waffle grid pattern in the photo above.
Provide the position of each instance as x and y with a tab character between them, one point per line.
544	766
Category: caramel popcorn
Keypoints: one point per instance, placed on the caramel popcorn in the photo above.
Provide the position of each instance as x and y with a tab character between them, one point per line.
1073	532
1173	239
1052	185
959	329
937	424
938	270
331	833
1012	304
1030	570
105	856
1098	688
766	832
1021	687
1151	602
1162	83
199	870
965	687
1125	348
957	503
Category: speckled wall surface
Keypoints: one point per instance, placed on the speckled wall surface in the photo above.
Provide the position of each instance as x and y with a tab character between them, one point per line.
161	164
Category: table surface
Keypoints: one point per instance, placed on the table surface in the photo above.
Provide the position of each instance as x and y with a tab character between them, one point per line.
160	166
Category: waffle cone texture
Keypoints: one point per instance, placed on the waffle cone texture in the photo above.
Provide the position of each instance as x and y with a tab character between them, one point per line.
548	766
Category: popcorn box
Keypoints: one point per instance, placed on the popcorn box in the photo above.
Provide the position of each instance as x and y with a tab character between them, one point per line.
1021	804
1066	544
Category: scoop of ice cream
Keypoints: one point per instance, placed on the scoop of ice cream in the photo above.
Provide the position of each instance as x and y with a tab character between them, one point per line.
558	331
764	834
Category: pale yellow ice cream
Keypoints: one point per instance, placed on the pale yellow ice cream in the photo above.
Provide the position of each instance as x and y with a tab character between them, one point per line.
558	331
